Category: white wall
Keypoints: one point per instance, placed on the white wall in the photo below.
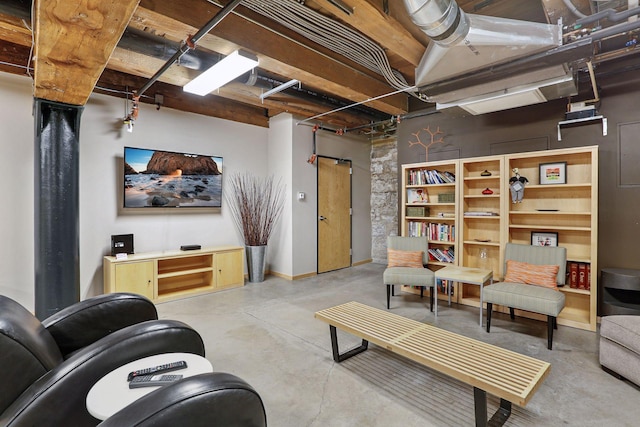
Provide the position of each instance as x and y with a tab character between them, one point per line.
281	150
305	224
102	139
298	247
279	160
16	209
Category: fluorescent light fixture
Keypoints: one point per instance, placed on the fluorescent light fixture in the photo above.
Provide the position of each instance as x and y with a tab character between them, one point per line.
280	88
225	70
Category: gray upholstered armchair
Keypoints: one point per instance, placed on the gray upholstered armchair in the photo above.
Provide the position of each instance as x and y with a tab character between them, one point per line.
408	268
524	295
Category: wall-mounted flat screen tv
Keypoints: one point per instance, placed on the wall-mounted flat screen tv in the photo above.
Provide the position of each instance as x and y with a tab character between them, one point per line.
166	179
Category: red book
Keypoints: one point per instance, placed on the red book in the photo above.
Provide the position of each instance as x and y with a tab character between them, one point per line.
588	276
573	278
582	276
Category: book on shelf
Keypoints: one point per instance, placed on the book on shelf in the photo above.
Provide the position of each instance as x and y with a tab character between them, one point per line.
450	176
416	229
433	231
441	232
579	275
582	275
430	176
443	255
417	195
442	285
573	275
480	213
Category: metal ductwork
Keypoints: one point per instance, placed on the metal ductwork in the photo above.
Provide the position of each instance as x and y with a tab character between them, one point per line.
464	43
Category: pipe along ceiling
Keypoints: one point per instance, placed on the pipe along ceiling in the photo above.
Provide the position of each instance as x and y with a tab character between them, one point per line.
158	47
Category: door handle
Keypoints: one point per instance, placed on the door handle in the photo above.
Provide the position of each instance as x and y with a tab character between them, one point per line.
321	218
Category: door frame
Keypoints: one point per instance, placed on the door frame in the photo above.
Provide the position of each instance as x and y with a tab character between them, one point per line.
339	159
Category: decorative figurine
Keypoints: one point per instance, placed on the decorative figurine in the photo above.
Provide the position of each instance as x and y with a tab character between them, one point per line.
517	184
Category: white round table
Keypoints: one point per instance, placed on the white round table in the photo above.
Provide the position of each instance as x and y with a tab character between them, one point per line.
112	393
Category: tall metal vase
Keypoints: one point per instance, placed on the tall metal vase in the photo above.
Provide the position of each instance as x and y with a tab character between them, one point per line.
256	262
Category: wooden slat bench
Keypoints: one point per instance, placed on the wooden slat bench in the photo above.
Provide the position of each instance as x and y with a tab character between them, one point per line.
511	376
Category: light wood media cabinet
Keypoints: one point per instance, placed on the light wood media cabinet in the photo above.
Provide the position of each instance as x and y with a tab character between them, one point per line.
168	275
569	209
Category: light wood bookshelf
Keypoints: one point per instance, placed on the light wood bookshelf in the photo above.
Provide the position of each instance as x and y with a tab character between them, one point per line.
441	213
575	219
164	276
569	209
481	233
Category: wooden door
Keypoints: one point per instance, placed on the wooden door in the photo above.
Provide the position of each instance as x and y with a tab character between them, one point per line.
334	214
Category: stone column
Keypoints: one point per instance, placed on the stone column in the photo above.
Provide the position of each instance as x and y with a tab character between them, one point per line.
384	196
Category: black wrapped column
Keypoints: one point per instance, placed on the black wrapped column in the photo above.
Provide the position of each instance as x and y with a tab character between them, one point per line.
57	271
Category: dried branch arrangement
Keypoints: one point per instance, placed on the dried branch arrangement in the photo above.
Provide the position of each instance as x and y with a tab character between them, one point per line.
256	204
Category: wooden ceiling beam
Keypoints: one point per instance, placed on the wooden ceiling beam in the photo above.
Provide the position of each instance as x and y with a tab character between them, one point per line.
383	29
176	98
14	30
15	54
145	66
73	42
276	54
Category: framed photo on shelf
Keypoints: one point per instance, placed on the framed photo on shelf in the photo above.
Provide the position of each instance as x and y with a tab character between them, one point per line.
418	195
539	238
553	173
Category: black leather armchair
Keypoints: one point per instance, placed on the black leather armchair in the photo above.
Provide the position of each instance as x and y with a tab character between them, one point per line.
47	368
206	400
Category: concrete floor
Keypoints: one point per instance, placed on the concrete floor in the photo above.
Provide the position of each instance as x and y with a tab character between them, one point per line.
266	334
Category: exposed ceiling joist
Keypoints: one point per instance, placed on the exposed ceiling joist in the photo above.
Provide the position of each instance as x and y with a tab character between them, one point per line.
76	39
381	28
277	54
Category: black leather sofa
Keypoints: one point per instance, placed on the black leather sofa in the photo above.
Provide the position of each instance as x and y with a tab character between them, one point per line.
48	367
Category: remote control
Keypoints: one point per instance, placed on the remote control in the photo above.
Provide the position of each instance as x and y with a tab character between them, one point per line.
153	380
173	366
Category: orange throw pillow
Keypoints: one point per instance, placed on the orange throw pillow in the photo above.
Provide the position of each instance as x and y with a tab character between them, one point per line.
397	258
532	274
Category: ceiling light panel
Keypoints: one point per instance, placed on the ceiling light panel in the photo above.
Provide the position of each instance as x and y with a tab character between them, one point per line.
229	68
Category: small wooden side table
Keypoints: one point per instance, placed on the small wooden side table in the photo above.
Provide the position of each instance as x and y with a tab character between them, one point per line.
473	276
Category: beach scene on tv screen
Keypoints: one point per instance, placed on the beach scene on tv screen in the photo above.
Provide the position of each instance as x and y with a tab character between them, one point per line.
154	178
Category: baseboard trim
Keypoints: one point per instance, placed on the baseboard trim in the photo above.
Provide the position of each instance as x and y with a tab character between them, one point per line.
305	275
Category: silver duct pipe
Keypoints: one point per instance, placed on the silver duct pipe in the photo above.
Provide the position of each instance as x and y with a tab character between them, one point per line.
468	42
442	20
579	49
465	44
